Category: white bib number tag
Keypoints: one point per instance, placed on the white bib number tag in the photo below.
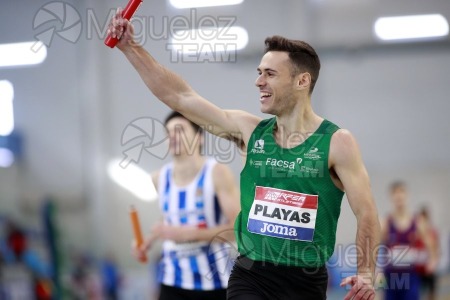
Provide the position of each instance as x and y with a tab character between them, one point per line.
283	214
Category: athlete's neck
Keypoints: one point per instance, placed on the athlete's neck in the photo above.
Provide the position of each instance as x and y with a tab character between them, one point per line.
403	219
296	125
402	214
186	167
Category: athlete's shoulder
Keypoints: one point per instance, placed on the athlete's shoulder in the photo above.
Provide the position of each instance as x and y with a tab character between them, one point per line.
219	168
165	167
211	163
343	139
330	127
222	176
264	125
243	118
245	123
343	146
268	121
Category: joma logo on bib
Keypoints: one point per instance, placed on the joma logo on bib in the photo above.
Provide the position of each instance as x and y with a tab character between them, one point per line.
283	214
278	229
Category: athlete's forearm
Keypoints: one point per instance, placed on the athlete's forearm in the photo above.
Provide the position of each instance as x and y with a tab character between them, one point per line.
222	233
163	83
367	242
432	250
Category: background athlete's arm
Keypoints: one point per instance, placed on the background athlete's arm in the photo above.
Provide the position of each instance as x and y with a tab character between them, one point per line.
228	196
140	252
431	244
349	167
177	94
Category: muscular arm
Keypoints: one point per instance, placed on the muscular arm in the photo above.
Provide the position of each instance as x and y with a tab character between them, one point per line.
349	167
172	90
430	243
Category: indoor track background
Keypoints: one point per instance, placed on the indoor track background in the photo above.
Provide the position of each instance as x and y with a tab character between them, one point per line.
83	109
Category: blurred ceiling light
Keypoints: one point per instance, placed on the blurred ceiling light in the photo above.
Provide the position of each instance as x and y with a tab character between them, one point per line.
22	54
411	27
6	107
203	3
133	179
6	158
210	39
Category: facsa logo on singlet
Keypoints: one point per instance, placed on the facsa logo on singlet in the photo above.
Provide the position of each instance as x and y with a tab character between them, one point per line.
258	147
285	164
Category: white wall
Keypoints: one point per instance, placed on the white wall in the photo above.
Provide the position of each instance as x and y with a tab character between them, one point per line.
396	104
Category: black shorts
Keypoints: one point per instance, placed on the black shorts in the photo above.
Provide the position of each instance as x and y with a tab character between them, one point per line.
173	293
428	282
254	280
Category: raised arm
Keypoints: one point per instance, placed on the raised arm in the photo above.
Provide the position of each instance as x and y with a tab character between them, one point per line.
176	93
348	165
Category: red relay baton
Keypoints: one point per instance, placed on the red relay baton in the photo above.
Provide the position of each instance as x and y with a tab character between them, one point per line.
127	13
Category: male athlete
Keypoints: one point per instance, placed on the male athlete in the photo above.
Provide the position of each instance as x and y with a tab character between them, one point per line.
199	201
297	168
410	246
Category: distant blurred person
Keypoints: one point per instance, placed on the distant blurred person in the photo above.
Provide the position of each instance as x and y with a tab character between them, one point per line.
16	240
428	278
199	201
110	278
78	277
401	233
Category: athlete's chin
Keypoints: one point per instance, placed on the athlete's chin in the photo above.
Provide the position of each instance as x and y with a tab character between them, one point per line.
267	110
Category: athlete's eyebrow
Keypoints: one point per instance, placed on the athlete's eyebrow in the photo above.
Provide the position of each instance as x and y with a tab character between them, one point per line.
267	70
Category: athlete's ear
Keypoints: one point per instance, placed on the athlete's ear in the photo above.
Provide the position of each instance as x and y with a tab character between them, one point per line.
303	81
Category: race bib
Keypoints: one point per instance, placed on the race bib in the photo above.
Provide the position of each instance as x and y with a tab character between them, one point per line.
283	214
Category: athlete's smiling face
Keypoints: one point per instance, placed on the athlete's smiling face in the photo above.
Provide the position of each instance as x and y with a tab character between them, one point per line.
275	81
183	138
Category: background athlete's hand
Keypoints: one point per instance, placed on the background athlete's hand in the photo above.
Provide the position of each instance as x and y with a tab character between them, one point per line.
431	266
362	287
140	252
122	29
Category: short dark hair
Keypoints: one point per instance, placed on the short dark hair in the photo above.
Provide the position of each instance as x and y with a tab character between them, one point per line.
396	185
175	114
424	212
303	57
